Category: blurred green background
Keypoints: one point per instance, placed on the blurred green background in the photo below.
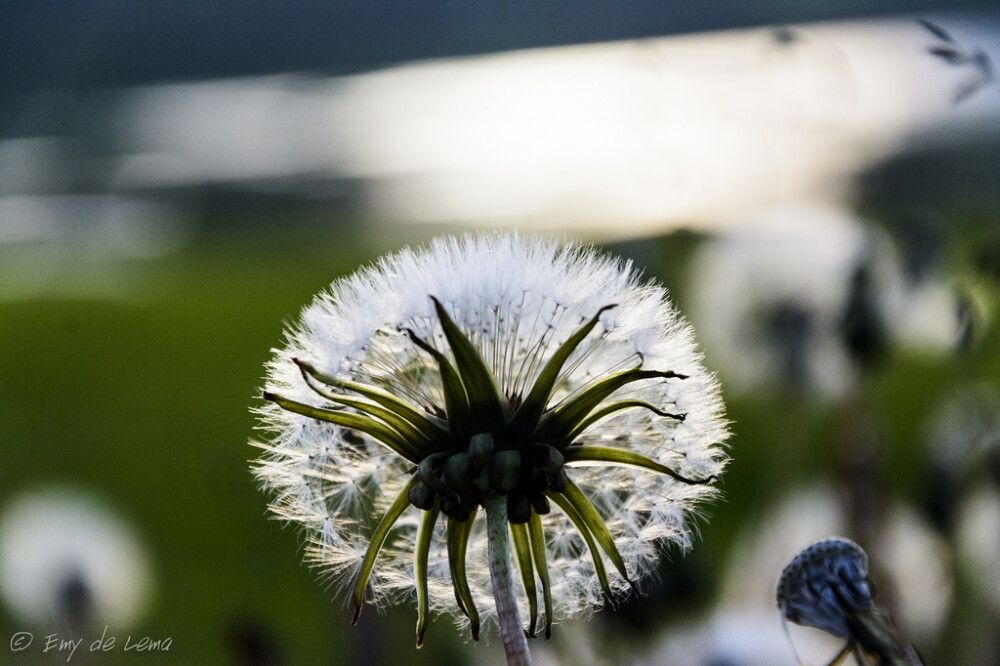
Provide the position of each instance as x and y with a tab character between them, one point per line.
145	400
132	344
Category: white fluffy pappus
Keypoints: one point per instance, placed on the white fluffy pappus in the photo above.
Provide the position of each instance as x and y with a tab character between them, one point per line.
517	299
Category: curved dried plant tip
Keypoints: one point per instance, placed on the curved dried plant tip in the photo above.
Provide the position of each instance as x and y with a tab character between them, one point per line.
424	536
378	538
613	456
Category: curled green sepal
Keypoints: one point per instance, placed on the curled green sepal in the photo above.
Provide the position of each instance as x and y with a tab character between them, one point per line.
589	514
541	565
485	399
522	548
429	425
557	423
612	456
421	554
595	553
614	408
392	418
412	451
456	401
534	404
425	470
378	538
458	542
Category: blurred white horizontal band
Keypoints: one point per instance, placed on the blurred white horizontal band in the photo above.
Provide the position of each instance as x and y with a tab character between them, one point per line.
619	138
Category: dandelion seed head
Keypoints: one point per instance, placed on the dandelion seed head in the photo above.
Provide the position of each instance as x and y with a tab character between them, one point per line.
517	301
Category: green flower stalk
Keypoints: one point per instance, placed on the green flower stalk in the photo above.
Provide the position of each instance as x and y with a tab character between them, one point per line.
488	411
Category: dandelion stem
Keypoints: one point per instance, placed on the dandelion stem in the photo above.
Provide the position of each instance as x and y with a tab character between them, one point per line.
514	641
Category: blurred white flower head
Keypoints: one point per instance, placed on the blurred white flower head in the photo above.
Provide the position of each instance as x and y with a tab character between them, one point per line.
67	561
490	364
920	572
976	534
804	297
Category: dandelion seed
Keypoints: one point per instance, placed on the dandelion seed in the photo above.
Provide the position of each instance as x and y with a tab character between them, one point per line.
508	391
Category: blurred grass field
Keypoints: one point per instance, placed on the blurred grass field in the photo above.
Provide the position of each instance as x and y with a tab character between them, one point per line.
144	401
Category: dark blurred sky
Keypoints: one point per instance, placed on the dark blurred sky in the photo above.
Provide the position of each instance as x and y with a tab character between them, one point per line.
79	47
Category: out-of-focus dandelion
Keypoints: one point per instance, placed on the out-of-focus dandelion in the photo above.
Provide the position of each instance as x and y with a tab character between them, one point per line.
918	570
962	488
976	533
805	298
964	450
500	373
826	586
67	562
964	435
770	299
